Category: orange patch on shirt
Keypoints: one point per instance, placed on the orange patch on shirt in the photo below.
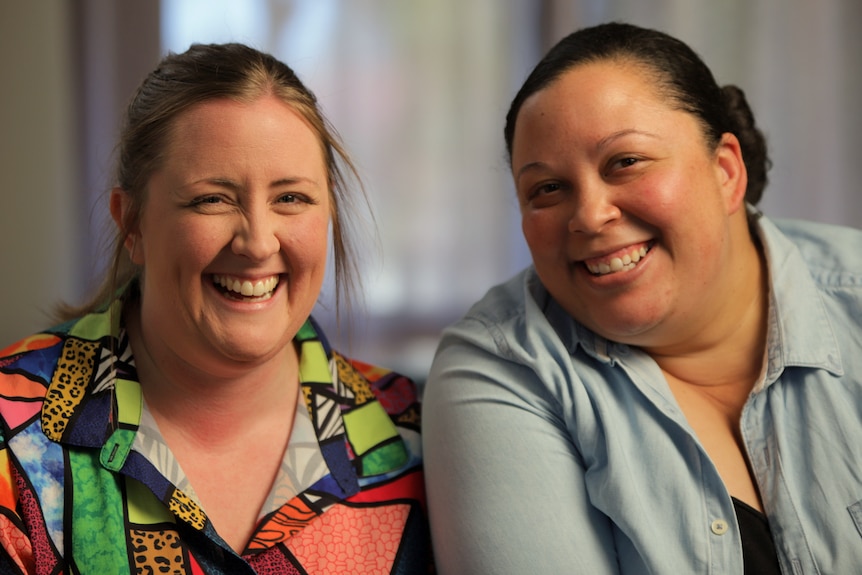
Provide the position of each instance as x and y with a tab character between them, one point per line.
345	539
34	342
16	545
284	524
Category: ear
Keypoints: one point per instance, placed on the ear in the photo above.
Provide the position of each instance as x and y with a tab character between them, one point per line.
732	174
120	204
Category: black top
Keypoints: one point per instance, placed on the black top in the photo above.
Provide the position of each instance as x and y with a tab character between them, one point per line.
758	548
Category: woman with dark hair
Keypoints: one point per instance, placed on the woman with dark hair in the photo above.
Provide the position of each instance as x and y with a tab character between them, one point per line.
675	384
192	418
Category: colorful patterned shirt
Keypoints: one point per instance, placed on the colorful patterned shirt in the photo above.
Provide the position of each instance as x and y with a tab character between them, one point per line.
88	486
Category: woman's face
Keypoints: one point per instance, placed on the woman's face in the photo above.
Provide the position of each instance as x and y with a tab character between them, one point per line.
624	207
233	233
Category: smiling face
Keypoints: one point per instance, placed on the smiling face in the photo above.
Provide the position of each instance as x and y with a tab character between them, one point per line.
233	233
626	210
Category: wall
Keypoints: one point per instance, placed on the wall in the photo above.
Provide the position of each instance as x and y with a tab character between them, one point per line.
40	231
69	68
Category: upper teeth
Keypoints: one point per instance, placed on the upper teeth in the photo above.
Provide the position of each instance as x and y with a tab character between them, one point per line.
246	287
615	264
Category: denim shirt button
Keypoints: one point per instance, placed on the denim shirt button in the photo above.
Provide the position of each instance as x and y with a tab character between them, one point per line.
719	526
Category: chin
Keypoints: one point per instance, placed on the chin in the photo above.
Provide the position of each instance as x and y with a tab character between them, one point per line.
245	350
629	319
627	330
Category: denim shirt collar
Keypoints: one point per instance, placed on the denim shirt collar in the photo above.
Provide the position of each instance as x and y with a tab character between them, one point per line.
799	331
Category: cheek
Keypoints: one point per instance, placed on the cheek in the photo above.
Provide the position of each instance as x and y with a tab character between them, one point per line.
188	244
658	188
663	200
307	243
199	244
545	232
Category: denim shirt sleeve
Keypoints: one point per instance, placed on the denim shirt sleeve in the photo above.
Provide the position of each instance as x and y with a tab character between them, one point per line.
506	484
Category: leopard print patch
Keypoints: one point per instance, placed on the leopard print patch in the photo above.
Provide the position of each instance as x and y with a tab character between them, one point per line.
353	380
157	552
184	508
411	417
68	385
306	395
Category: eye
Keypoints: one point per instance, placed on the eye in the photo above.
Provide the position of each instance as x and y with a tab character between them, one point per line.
543	194
541	190
294	198
212	203
625	162
547	188
206	200
623	165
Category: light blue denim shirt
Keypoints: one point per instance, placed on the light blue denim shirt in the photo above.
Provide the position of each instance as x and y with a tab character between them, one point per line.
549	449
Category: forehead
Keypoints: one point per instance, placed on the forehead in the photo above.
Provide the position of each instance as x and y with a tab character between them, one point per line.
232	114
596	98
599	84
582	114
215	129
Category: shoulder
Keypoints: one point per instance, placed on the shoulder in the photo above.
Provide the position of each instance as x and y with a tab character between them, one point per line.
33	357
515	341
812	261
395	391
517	321
829	251
500	316
364	386
360	380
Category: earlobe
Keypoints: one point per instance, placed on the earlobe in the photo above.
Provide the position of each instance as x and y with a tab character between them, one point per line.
119	206
732	172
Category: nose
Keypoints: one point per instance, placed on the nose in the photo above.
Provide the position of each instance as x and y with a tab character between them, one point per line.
255	237
595	207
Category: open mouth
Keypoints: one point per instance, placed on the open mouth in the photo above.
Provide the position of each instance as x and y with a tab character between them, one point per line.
240	289
622	261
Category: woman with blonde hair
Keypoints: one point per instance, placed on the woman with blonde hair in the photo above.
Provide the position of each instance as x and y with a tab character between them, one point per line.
193	418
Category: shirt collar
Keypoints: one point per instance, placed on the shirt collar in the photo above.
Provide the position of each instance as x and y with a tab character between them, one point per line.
799	331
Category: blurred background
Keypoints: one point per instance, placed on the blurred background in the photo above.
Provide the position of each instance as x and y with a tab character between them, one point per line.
418	89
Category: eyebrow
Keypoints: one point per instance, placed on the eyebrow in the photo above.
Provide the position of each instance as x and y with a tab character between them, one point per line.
237	187
603	143
530	167
610	138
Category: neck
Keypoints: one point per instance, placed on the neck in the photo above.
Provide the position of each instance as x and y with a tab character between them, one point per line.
727	349
197	401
